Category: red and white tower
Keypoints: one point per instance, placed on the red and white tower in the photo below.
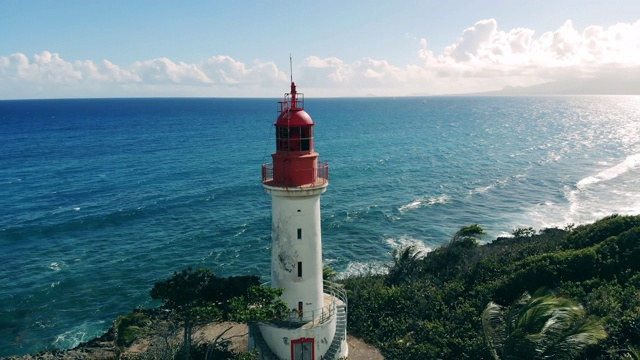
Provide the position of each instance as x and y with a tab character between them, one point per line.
315	328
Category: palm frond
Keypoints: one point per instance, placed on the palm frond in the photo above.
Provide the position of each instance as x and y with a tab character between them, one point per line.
542	326
494	327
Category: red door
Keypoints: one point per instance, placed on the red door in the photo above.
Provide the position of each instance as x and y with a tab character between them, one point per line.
302	349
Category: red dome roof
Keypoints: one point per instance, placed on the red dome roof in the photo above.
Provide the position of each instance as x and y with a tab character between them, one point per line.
294	117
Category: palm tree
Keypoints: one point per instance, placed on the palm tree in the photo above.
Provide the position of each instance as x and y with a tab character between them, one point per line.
405	265
542	326
631	353
329	274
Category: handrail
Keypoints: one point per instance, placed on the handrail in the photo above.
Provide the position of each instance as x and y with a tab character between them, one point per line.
315	317
287	102
337	290
322	173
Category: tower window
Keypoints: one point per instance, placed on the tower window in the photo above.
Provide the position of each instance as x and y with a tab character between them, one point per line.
299	234
305	141
294	138
282	138
299	268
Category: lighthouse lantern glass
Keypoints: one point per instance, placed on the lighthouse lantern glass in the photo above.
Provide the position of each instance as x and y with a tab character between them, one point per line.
295	138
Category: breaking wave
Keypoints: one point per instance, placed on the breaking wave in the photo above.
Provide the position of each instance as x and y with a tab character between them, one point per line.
630	163
424	201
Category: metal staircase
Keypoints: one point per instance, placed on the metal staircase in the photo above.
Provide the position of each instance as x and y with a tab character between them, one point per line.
341	333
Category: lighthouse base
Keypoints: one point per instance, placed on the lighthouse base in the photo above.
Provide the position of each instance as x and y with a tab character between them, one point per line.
326	340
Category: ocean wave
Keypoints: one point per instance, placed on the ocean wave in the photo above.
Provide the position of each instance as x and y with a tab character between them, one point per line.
482	189
75	336
424	201
499	183
546	215
356	268
57	266
591	198
630	163
71	219
406	241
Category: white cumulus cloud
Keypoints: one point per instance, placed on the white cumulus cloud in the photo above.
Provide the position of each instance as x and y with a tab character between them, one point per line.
45	68
163	70
485	57
487	48
228	71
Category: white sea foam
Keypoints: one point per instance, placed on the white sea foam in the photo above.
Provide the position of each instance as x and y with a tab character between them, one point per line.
357	268
499	183
405	241
628	164
424	201
56	266
77	335
631	209
482	189
240	232
546	215
551	157
592	198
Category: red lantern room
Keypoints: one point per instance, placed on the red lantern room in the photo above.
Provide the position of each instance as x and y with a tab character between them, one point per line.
294	127
295	164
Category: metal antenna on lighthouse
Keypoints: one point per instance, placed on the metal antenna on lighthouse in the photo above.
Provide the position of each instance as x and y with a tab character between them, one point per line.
294	98
291	67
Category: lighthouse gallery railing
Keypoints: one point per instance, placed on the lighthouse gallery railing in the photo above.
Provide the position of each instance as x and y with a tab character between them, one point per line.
315	317
322	172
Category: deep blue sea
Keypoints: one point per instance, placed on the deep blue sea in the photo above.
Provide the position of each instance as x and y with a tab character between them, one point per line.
101	198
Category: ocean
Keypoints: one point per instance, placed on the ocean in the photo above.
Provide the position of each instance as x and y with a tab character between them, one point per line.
101	198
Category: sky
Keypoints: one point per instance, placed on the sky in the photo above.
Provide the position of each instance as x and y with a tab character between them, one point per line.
347	48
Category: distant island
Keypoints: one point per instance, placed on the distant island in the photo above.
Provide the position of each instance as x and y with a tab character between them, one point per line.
612	85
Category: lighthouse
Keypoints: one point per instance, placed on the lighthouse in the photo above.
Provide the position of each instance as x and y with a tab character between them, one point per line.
314	328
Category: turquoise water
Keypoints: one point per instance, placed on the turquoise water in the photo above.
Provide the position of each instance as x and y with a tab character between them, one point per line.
101	198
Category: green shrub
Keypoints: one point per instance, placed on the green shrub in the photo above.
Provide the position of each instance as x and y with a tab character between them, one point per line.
129	327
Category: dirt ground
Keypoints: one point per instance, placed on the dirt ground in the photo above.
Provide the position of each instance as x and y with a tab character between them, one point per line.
359	350
238	334
104	347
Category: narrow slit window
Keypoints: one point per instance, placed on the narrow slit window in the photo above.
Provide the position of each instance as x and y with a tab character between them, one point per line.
299	268
299	234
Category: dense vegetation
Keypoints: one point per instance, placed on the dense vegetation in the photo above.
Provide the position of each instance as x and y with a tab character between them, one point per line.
431	307
461	301
192	298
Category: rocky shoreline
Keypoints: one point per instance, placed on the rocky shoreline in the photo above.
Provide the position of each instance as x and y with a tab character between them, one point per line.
156	330
100	348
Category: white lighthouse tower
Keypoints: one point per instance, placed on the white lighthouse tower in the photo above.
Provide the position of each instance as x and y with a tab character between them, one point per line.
315	327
